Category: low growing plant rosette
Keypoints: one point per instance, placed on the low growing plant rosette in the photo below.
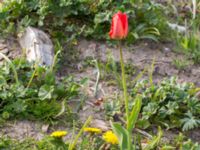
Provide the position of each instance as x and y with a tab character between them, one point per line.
119	31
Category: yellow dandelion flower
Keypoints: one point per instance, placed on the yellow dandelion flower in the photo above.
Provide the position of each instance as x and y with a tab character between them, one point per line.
92	130
110	137
59	134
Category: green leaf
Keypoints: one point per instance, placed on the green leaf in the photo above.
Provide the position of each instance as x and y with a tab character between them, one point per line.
102	17
143	123
134	113
149	110
19	106
45	92
122	135
190	122
62	109
2	81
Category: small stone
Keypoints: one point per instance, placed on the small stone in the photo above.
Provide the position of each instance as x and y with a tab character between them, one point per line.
2	46
171	71
2	40
80	66
4	51
156	70
166	50
45	128
100	124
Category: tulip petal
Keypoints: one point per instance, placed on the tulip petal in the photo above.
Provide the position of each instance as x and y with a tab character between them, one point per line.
119	26
124	20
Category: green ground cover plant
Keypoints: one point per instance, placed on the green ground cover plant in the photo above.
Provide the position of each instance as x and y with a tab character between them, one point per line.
85	18
169	103
33	91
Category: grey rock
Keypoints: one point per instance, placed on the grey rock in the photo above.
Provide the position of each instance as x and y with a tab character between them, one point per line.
4	51
38	46
100	124
2	45
166	50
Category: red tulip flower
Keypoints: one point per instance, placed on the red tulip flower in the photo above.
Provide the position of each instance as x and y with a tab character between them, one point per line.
119	31
119	26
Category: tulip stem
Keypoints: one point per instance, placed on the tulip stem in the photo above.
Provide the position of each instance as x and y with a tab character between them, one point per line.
124	84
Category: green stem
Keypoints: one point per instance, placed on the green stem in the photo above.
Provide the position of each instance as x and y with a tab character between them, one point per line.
32	76
125	94
54	61
124	85
74	142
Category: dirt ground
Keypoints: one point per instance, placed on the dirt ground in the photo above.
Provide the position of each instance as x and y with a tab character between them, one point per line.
141	55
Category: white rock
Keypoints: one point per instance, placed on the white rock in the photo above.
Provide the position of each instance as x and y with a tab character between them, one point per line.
177	27
38	46
2	46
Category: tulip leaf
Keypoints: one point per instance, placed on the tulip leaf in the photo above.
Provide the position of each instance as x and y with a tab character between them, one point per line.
134	113
122	135
102	17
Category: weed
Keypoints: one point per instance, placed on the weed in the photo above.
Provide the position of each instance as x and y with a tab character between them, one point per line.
181	64
190	44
